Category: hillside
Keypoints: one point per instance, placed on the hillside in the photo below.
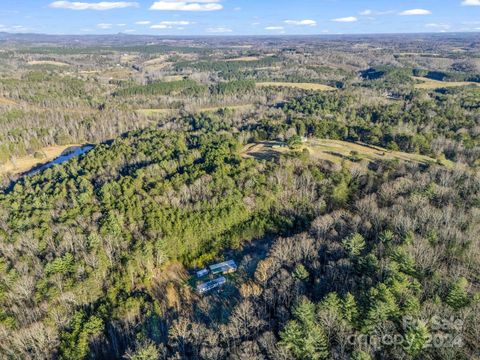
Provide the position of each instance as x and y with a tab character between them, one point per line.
346	193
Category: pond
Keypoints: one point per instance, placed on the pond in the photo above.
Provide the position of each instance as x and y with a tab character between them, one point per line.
68	154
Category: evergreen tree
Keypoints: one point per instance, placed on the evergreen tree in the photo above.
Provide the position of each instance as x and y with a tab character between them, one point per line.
303	336
415	338
361	355
300	272
349	308
458	296
354	244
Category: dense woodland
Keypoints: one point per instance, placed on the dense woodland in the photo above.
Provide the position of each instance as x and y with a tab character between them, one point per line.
97	255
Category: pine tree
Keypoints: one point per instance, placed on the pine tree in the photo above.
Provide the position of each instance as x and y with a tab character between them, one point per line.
303	336
383	306
148	351
361	355
458	297
305	312
349	308
316	344
354	244
415	338
292	338
387	236
300	272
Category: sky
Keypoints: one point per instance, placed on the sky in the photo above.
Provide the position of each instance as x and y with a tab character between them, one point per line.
238	17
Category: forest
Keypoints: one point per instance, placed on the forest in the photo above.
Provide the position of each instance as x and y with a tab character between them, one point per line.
200	154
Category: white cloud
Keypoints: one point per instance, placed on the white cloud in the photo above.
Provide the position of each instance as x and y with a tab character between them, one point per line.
129	31
104	26
274	28
14	28
187	5
471	2
219	30
415	12
369	12
237	8
438	26
301	22
170	24
103	5
347	19
176	22
144	22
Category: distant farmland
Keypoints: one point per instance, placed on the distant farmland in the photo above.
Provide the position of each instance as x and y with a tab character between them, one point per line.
428	84
303	86
47	62
244	58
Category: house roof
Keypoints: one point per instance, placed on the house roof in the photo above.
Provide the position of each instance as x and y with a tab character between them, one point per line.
226	265
212	284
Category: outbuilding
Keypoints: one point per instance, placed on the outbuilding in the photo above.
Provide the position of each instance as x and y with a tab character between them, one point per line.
202	273
210	285
226	267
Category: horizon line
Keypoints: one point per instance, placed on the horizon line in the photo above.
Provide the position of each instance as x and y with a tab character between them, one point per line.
244	35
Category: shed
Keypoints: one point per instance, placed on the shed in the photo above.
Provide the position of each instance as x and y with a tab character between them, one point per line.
202	273
226	267
210	285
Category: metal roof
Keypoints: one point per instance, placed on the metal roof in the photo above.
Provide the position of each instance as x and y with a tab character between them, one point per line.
210	285
224	266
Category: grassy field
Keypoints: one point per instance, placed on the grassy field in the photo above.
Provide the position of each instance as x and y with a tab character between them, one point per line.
47	62
244	58
303	86
335	151
23	164
149	112
264	150
8	102
170	78
429	84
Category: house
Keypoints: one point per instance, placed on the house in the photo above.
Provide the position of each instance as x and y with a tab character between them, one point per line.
210	285
202	273
226	267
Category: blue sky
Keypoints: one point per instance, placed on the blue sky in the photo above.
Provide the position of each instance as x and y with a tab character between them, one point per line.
238	17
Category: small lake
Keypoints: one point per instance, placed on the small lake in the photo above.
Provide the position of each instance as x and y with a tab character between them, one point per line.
68	154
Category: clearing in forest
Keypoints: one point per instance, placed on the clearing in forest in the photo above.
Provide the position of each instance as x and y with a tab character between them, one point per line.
429	84
244	58
25	163
47	62
303	86
4	101
334	151
149	112
170	78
